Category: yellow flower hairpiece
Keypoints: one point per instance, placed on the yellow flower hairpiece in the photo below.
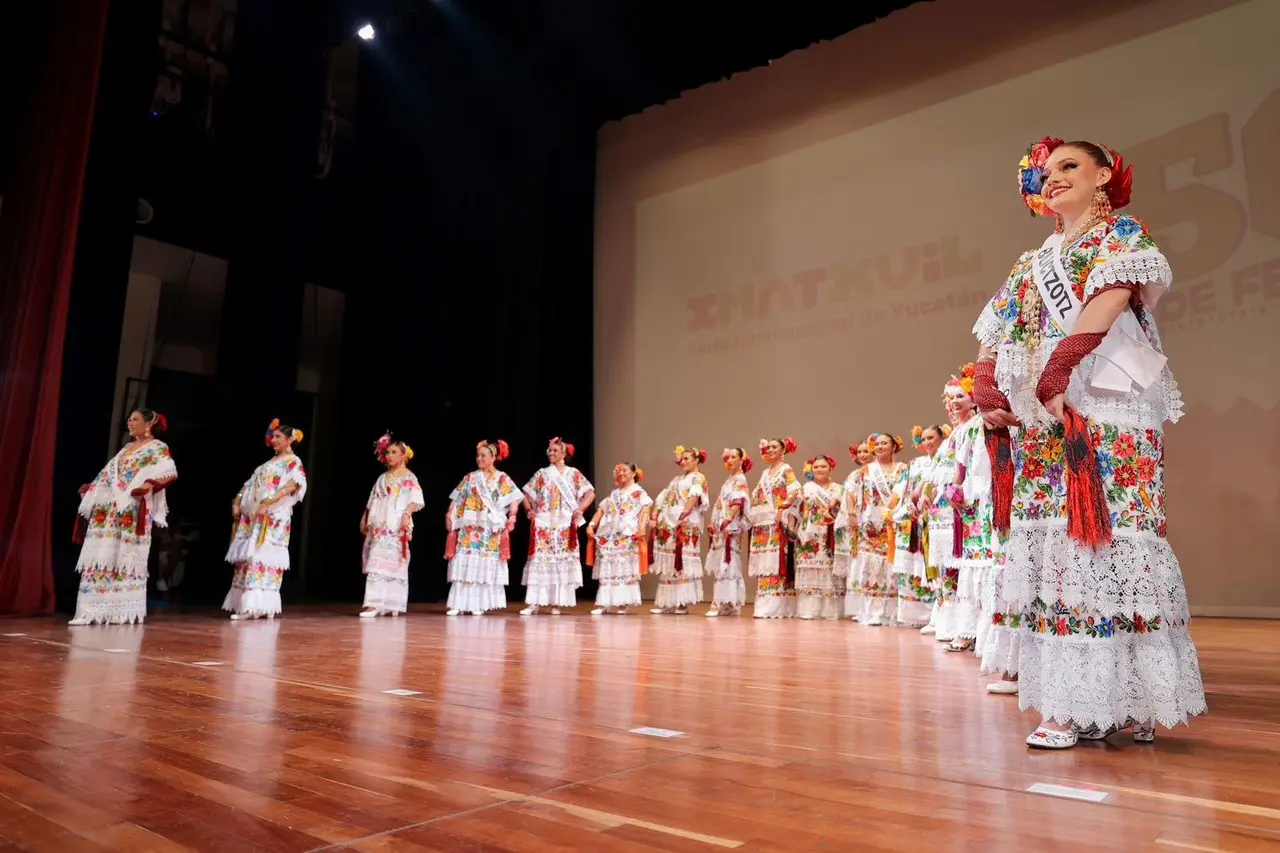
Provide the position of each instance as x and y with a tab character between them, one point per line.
408	453
679	450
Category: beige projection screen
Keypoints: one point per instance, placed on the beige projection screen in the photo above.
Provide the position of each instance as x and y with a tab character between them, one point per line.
802	249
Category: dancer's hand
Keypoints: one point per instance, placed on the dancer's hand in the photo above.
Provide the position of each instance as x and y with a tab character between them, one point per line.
511	523
997	418
1055	406
448	521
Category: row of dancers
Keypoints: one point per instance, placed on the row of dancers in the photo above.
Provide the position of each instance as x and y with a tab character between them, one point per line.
818	549
1034	532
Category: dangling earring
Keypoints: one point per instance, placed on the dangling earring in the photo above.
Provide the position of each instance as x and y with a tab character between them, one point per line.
1100	207
1057	225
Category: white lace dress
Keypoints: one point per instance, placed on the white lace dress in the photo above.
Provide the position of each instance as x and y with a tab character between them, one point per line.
1105	634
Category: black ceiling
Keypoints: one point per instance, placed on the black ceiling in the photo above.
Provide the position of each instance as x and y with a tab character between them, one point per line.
613	58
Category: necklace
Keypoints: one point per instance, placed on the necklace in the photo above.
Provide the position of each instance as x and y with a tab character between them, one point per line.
1079	231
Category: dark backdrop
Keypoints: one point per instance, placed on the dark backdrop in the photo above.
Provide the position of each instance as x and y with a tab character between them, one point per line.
470	310
459	226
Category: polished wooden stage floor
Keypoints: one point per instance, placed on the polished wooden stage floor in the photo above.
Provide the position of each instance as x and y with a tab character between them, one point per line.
196	733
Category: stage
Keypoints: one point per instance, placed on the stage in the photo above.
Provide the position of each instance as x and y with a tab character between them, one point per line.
197	733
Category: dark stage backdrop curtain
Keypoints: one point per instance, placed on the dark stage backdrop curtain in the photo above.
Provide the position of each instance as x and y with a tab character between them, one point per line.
37	248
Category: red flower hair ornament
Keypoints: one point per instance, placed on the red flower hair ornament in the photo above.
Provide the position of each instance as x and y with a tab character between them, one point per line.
789	445
1119	188
499	449
568	448
747	464
700	455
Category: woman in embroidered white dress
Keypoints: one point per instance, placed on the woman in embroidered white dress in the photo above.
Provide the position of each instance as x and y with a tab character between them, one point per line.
728	524
970	549
117	511
915	590
770	561
847	531
617	535
555	498
814	523
933	502
263	513
873	566
1072	378
482	514
677	535
387	525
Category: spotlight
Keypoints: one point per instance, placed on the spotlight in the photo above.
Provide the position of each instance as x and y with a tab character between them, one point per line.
366	32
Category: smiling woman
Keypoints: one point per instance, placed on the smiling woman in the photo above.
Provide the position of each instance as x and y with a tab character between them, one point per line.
1071	358
118	510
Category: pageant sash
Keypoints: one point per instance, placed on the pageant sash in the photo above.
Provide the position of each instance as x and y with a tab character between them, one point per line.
879	482
1055	286
489	497
567	492
1126	362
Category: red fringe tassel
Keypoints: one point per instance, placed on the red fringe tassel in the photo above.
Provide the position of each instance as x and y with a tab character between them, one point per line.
679	549
1000	450
451	545
1088	516
783	545
591	551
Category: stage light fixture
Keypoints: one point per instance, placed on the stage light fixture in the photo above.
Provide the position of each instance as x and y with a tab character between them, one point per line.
366	32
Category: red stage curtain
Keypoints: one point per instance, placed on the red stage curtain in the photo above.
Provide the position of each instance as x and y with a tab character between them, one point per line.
38	224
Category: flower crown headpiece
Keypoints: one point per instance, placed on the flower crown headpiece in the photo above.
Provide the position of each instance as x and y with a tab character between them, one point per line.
1119	188
498	448
788	445
275	425
808	466
700	455
896	439
963	380
917	433
568	448
385	441
626	466
747	464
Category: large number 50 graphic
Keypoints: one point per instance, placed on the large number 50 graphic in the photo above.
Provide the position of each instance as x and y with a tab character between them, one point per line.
1218	217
